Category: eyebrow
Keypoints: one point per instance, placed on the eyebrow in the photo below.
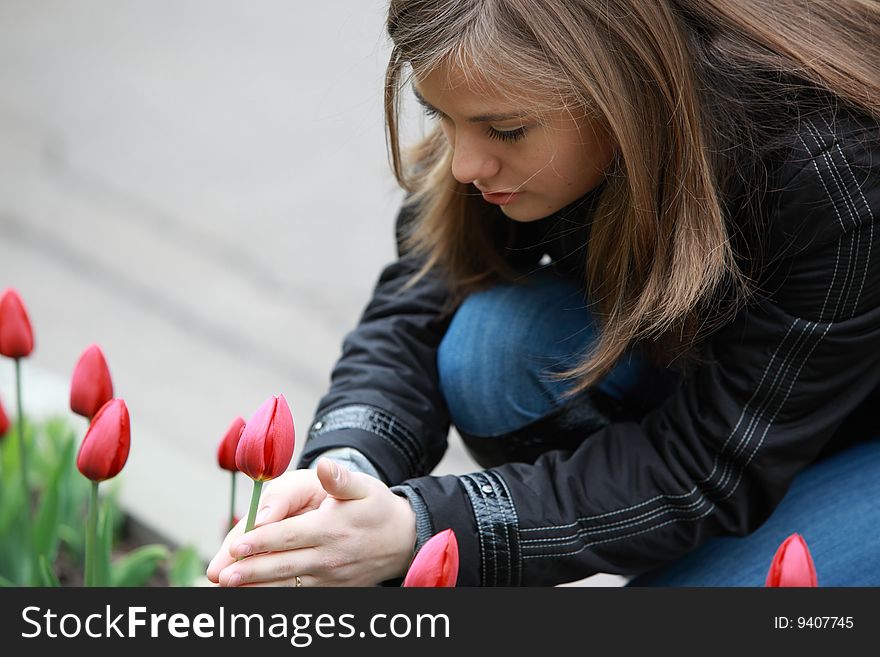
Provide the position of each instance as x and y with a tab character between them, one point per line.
480	118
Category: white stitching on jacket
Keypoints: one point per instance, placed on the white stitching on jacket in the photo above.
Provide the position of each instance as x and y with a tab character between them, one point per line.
867	207
847	199
487	506
694	489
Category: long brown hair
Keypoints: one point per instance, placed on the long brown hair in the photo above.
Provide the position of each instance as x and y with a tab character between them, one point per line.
695	93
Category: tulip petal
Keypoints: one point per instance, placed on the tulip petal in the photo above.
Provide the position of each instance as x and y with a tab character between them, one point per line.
4	422
279	448
267	442
792	565
16	335
91	385
436	564
249	455
229	444
105	448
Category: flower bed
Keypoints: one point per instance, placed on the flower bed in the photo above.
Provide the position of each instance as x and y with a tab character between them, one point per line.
60	496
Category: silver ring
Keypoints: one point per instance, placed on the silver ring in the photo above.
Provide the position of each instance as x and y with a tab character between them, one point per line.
299	582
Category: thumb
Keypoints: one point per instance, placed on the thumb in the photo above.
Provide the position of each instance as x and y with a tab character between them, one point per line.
291	494
340	482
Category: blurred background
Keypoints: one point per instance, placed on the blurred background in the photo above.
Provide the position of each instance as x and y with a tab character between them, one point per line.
201	187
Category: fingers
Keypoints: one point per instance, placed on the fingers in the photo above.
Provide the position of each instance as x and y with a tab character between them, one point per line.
342	483
289	534
292	493
223	558
274	569
286	534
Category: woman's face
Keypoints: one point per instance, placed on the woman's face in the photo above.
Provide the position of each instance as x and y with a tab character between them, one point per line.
528	165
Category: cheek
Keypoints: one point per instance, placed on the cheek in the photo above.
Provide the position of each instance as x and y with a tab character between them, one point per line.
565	167
581	166
537	164
558	163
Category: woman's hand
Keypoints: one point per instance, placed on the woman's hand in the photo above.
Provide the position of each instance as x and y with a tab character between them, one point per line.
293	493
329	527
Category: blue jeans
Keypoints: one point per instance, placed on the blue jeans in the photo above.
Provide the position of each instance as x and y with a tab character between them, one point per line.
502	343
493	364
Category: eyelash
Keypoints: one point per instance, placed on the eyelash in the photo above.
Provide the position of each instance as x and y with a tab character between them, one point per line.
509	136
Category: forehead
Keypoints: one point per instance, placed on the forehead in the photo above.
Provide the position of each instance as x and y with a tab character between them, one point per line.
452	83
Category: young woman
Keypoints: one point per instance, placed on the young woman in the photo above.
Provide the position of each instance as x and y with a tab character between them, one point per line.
639	272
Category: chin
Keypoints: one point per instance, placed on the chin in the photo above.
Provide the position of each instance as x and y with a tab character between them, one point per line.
525	214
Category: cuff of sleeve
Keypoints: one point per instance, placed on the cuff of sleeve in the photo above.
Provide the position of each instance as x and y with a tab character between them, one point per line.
479	508
424	526
387	443
349	457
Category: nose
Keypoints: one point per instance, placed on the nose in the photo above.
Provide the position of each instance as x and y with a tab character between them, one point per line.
472	161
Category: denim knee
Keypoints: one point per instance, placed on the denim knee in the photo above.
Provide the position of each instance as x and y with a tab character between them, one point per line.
501	345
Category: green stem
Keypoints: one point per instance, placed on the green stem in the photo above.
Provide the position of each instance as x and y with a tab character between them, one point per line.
232	503
255	502
92	537
28	523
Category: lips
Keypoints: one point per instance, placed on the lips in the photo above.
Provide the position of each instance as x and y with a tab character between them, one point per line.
501	198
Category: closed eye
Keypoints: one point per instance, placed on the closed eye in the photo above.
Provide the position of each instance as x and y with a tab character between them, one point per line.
510	136
431	113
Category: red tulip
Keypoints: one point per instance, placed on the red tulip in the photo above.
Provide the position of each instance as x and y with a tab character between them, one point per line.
91	386
266	444
16	336
4	422
792	564
104	450
436	564
226	450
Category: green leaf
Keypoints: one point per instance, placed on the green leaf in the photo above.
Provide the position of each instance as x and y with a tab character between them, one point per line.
47	577
14	553
11	451
73	494
10	510
186	567
73	510
46	526
5	583
42	452
70	535
58	429
138	566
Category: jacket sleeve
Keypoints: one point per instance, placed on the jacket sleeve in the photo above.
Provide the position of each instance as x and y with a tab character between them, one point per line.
719	454
384	400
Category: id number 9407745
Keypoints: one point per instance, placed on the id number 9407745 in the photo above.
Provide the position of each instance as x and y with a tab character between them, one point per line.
813	622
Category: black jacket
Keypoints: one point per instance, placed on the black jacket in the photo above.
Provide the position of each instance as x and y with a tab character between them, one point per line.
792	377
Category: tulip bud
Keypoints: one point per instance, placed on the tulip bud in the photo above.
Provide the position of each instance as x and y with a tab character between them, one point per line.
226	450
4	422
16	336
91	386
792	564
436	564
104	450
266	444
